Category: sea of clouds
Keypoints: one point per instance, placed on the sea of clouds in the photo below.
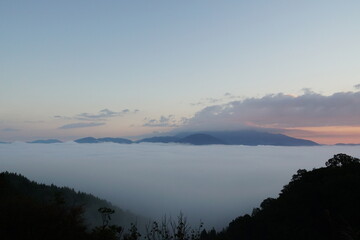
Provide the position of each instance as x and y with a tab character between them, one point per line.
214	184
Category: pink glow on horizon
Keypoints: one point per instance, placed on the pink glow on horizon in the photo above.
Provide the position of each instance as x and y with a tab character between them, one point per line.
328	134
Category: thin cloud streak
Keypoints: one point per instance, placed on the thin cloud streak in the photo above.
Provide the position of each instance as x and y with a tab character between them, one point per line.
10	130
207	101
102	115
81	125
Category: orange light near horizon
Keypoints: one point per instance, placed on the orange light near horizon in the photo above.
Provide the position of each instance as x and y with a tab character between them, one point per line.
328	134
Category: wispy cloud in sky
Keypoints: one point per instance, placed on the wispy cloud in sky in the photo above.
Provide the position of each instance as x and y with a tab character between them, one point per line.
281	111
62	117
164	121
208	101
102	115
81	125
10	130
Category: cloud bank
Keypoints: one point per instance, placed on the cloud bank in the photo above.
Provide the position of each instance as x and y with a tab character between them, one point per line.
213	183
281	111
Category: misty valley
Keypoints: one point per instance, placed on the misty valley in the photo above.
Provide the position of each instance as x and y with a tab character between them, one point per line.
212	184
179	120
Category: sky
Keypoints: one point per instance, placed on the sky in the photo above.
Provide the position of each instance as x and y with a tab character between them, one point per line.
71	69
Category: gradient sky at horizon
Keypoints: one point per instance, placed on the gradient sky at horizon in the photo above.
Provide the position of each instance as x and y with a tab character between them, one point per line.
72	69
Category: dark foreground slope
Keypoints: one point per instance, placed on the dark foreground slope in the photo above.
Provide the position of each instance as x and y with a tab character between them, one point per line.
35	211
320	204
29	210
24	216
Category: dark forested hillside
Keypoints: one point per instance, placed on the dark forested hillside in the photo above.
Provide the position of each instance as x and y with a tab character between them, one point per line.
27	213
29	209
319	204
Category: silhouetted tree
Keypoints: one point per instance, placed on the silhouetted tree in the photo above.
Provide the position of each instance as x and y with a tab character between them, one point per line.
106	231
341	159
133	233
175	230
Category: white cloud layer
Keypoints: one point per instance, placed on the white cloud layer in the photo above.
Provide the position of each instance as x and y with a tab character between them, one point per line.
211	183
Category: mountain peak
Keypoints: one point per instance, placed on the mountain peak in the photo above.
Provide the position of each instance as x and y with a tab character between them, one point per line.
201	139
47	141
102	140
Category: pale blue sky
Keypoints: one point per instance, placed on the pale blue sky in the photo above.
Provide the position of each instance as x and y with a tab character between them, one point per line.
65	58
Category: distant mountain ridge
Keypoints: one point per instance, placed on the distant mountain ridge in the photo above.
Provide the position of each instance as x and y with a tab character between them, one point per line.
102	140
47	141
347	144
193	139
254	138
201	139
164	139
240	137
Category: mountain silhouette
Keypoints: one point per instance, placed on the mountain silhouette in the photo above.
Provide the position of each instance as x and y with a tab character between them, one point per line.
241	137
200	139
102	140
165	139
87	140
253	138
115	140
347	144
47	141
